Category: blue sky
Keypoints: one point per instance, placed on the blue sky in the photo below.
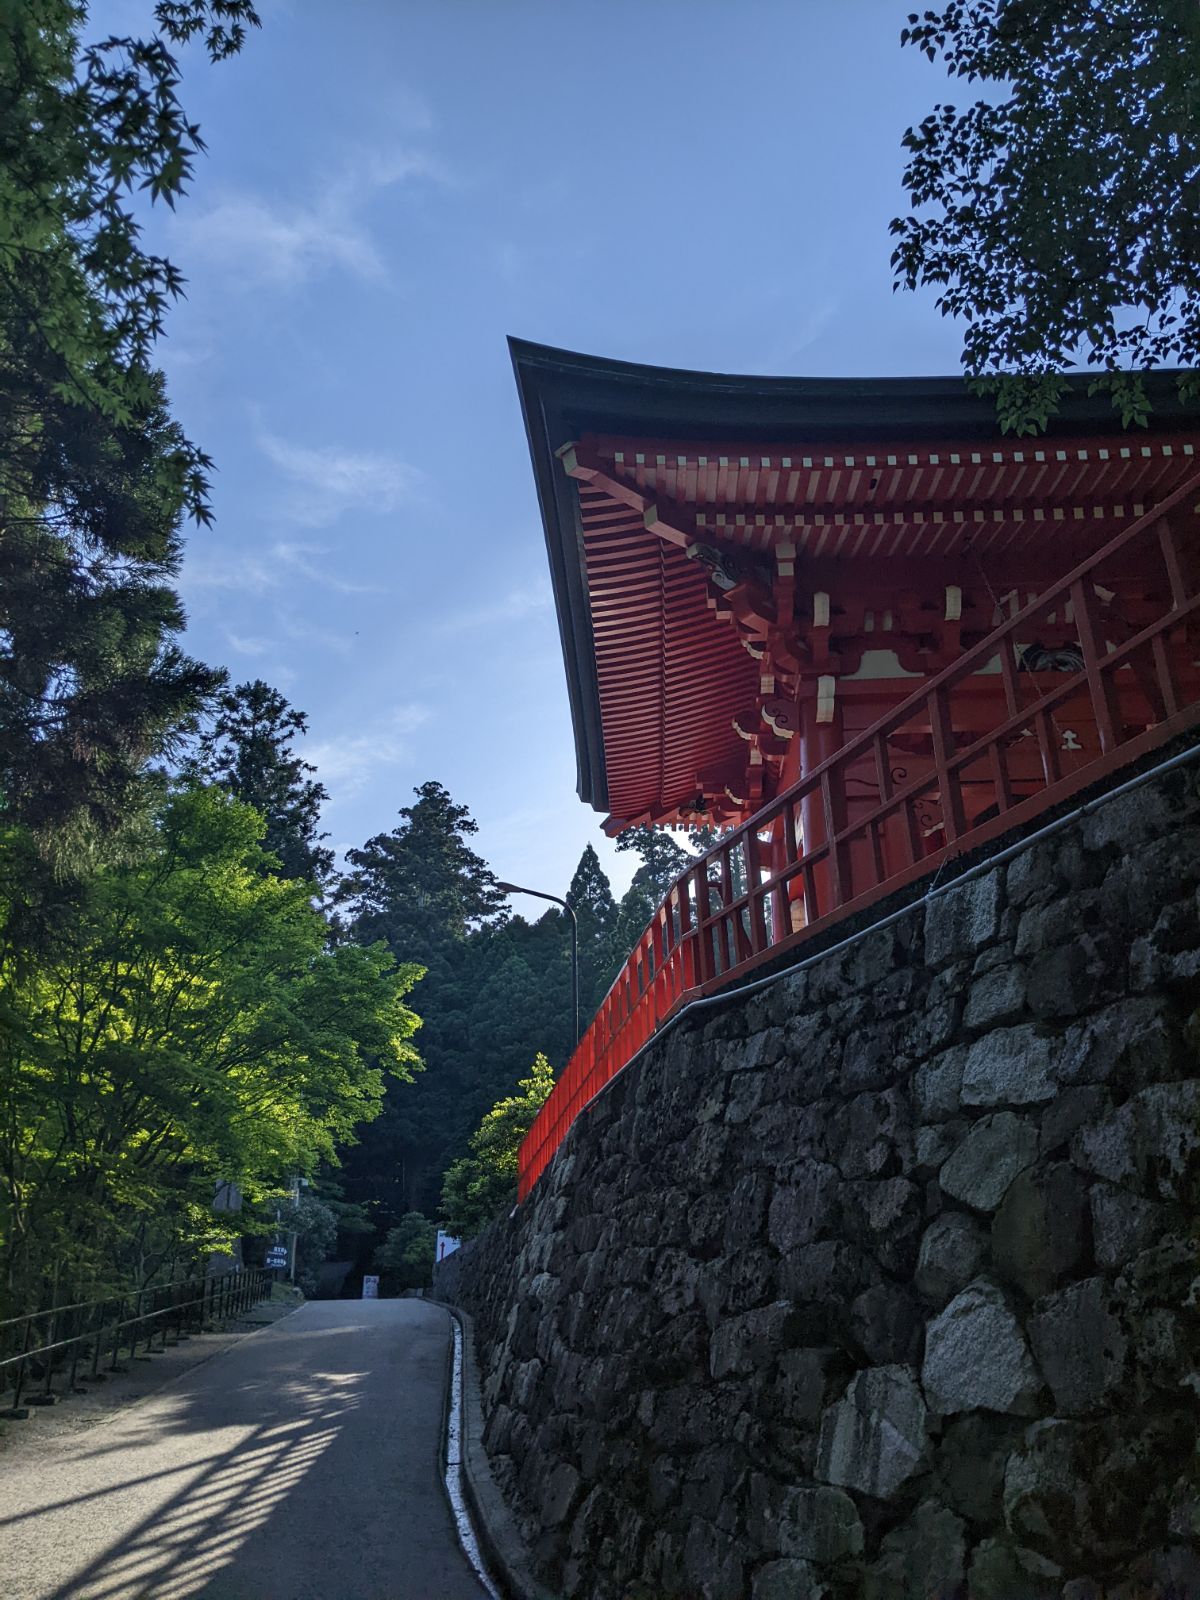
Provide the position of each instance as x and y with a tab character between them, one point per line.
391	188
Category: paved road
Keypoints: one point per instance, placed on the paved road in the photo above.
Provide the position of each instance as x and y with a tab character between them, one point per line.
302	1464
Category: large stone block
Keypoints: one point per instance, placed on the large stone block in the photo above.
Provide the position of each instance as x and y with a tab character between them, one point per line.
1122	1224
713	1563
1061	983
873	1440
1096	1496
1080	1346
872	1134
759	1050
869	1059
805	1210
788	1580
989	1158
953	1249
748	1342
1040	1232
1151	1144
675	1282
999	1573
976	1357
1128	1045
559	1494
809	1522
972	1455
1055	926
1009	1067
748	1210
923	1559
937	1086
962	920
886	1324
1069	1111
997	996
829	1270
711	1484
883	1217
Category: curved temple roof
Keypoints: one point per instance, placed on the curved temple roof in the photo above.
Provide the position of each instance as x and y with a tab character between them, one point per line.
653	677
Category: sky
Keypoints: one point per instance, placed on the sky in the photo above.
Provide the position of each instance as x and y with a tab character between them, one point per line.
394	186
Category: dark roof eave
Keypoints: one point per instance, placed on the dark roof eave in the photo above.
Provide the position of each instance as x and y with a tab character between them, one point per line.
565	395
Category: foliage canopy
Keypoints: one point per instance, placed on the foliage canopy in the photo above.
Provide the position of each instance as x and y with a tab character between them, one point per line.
1059	214
188	1024
483	1185
83	128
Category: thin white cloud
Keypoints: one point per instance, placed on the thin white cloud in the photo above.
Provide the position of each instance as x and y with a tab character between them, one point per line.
531	600
245	646
311	633
347	762
329	481
280	565
212	569
270	242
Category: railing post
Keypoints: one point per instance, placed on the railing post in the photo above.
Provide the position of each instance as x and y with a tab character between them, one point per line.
1170	553
833	806
704	945
758	924
47	1358
97	1340
116	1350
19	1381
942	731
1104	703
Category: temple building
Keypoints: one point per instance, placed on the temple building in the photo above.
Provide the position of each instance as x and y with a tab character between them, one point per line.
854	611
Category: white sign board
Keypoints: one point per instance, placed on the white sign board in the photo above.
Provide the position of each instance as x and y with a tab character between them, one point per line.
446	1244
370	1288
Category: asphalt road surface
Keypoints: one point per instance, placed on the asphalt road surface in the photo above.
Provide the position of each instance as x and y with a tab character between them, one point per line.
302	1464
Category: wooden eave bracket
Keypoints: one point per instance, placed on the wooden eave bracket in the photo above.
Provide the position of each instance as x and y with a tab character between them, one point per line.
579	464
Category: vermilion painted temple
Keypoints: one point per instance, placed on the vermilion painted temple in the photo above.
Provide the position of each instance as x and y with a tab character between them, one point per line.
854	612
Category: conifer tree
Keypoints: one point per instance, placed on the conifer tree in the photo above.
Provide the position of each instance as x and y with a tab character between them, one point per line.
422	890
663	858
595	910
94	475
247	750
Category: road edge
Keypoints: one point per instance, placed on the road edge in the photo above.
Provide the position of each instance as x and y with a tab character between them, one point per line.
503	1549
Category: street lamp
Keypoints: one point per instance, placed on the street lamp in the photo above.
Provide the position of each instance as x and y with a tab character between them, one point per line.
538	894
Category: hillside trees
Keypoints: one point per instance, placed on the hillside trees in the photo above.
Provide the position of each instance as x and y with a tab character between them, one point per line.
483	1185
405	1258
190	1023
1059	214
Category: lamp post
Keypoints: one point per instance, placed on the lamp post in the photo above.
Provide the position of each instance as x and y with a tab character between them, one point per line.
538	894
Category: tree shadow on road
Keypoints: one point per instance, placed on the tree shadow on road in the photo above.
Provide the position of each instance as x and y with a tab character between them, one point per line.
304	1467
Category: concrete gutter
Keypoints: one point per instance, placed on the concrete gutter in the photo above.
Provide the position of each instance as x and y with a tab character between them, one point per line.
500	1543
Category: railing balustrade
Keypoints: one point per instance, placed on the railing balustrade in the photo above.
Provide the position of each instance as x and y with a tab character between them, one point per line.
84	1342
1094	672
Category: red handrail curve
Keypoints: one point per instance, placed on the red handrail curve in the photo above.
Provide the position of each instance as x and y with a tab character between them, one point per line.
851	831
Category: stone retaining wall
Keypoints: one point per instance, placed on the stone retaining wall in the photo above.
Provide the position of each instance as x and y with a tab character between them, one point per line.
883	1283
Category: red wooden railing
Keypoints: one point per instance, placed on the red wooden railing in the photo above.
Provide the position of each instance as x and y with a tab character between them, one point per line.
961	761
